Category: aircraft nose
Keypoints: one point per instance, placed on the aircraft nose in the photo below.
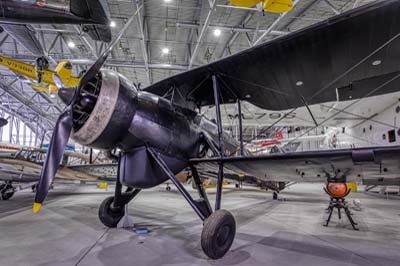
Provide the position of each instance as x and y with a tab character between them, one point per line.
66	95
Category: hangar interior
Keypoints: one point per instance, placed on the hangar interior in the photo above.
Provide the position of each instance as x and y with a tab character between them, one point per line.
278	222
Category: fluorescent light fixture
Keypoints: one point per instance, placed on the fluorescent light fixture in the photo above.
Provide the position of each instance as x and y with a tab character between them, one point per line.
165	50
217	32
167	1
71	44
113	24
299	83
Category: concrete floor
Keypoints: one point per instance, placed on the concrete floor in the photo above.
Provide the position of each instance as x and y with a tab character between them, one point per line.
285	232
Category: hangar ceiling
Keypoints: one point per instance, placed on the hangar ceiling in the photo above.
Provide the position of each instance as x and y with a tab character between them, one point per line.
168	37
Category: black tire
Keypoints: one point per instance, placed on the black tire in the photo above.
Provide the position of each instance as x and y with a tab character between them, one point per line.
110	216
10	191
168	188
218	234
275	195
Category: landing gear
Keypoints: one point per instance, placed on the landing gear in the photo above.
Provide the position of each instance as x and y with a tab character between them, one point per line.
275	195
112	209
219	226
109	215
218	234
41	65
6	191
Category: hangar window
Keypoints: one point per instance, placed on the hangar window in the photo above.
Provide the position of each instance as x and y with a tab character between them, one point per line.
391	135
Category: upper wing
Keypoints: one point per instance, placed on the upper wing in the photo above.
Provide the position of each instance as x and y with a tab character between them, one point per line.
351	55
25	36
355	164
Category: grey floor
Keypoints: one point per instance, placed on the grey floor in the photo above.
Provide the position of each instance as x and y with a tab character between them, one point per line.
285	232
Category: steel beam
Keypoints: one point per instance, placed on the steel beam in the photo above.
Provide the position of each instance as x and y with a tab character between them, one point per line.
231	28
274	24
235	35
332	7
143	44
202	33
109	63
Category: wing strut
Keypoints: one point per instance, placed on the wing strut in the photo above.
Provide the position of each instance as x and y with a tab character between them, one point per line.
221	144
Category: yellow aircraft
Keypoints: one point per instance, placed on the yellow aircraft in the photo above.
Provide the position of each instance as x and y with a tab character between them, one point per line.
63	70
274	6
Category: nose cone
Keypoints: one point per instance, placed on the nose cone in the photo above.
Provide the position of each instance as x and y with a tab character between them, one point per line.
66	95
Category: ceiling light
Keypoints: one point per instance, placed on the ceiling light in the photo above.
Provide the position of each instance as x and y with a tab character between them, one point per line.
52	95
113	24
167	1
165	50
217	32
247	96
376	62
299	83
71	44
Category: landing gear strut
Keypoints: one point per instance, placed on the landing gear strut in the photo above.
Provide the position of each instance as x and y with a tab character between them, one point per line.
219	226
6	191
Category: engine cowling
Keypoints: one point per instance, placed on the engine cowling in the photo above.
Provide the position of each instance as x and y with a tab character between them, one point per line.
104	110
111	113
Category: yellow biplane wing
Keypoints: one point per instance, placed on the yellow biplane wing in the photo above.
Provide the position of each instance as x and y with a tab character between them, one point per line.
64	71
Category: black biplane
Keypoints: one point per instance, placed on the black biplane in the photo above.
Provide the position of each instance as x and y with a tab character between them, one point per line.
159	131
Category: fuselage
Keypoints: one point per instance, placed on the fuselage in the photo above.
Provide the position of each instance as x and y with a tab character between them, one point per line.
52	11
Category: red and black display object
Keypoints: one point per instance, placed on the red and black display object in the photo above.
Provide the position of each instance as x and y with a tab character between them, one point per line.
338	192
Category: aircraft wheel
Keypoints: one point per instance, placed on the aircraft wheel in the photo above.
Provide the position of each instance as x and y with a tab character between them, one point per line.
218	233
275	195
110	216
168	188
7	191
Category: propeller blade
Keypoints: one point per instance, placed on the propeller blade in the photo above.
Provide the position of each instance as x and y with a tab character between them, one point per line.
94	69
59	140
66	94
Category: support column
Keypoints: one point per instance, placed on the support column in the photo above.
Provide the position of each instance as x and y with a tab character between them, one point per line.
239	107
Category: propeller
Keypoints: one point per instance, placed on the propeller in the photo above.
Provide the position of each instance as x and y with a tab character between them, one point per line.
63	126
